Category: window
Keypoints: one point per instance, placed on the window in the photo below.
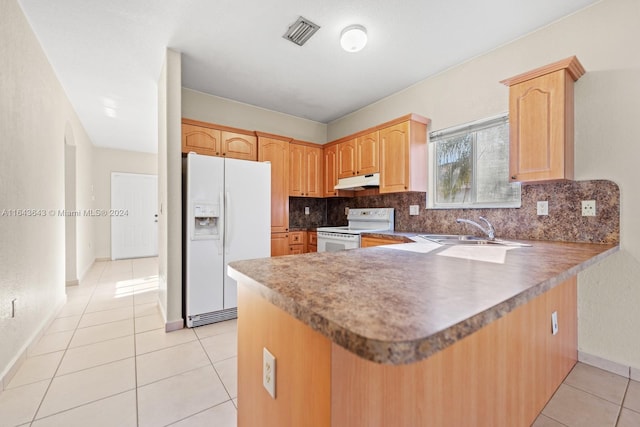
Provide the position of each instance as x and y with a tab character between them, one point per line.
469	166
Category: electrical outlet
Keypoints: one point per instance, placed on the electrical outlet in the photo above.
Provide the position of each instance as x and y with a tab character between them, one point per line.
414	210
543	208
554	323
346	210
269	372
306	210
588	208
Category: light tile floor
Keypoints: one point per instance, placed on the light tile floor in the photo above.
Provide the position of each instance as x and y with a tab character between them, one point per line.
106	361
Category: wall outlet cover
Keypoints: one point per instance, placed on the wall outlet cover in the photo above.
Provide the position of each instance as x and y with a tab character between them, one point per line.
414	210
588	208
269	372
543	207
306	210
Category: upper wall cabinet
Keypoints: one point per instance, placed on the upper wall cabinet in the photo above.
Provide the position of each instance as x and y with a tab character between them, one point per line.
216	140
330	173
359	155
541	126
305	169
403	155
275	149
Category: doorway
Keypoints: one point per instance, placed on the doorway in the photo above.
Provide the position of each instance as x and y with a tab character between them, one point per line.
134	218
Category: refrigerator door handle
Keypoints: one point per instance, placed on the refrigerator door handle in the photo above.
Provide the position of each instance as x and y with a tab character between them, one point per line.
222	224
227	203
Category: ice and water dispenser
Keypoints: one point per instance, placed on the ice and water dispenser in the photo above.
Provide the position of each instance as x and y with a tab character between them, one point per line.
205	221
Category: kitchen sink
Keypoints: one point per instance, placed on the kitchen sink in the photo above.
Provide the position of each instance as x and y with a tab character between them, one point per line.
462	239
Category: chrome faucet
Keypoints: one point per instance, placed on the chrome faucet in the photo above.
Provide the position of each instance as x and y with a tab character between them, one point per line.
489	231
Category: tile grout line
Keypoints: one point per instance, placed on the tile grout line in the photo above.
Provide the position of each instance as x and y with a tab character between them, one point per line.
624	396
213	366
35	414
596	396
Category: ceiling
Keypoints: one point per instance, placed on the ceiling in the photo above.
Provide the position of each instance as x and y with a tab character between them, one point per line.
108	54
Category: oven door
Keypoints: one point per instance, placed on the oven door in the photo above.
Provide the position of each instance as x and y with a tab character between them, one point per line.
334	242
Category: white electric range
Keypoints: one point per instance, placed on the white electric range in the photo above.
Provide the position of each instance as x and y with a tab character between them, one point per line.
365	220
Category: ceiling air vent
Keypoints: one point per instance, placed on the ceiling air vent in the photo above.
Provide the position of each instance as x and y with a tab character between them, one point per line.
301	31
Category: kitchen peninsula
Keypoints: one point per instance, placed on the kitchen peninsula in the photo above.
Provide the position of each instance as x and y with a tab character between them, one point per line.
381	336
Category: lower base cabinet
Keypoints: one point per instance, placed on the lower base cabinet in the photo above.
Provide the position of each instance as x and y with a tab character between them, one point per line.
501	375
279	244
293	243
368	242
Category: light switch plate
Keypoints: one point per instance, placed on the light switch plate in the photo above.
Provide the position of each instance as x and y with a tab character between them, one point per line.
269	372
306	210
414	209
543	207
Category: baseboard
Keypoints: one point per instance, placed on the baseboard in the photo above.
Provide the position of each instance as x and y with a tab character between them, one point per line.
103	259
608	365
174	325
72	283
7	375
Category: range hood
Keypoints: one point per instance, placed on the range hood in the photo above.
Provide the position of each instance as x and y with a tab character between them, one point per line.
358	182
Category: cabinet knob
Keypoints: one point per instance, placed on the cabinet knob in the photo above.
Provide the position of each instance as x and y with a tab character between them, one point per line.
514	177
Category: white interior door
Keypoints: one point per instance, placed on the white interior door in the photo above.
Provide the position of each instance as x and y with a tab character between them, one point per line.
134	219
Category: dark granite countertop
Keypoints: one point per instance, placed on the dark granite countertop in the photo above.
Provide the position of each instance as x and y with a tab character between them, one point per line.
397	306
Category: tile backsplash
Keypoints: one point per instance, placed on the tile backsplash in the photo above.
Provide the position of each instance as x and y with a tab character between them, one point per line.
564	222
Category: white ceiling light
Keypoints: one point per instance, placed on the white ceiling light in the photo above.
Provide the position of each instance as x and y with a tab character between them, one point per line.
353	38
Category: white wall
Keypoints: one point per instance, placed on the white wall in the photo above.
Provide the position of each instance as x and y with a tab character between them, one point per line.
170	191
105	161
607	138
222	111
35	115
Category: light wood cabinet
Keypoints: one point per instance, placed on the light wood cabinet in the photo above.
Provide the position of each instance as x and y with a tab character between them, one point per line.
279	244
368	241
403	155
312	241
305	170
367	154
275	149
541	128
330	175
297	242
201	140
359	156
239	146
216	140
347	158
501	375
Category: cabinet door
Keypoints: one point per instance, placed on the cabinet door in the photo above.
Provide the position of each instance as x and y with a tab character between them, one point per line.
201	140
538	127
367	242
239	146
279	244
347	159
297	179
276	151
313	175
394	158
330	170
367	151
312	238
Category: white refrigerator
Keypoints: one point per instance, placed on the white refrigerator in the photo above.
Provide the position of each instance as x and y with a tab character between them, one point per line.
228	218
